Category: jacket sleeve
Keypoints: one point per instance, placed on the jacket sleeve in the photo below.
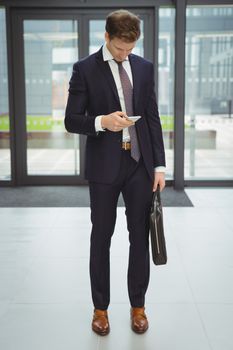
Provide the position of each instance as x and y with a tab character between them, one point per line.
154	124
76	118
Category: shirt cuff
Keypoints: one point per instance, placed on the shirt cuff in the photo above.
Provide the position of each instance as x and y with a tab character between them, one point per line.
98	126
160	169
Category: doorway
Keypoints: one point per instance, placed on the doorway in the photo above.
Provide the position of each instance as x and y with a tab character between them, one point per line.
47	44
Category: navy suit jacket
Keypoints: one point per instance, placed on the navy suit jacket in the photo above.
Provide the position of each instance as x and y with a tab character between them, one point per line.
93	92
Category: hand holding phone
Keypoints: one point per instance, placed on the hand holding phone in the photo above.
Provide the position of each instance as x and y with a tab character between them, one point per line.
134	118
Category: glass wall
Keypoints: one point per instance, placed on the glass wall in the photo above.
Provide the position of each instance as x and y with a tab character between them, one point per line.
5	160
96	34
166	82
50	49
209	93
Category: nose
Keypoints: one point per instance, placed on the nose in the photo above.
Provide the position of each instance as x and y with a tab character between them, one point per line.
123	56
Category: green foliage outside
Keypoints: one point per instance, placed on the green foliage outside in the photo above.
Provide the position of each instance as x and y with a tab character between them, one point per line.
167	122
48	123
36	123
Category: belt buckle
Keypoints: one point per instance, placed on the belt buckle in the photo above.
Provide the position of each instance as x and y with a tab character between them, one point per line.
125	145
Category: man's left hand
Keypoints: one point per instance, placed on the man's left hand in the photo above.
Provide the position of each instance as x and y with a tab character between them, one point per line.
159	179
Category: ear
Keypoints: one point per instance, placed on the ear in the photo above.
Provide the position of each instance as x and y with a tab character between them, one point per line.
106	35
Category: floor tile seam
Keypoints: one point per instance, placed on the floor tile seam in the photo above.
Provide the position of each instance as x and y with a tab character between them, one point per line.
46	243
20	286
171	303
46	258
53	220
195	303
215	303
5	312
11	299
200	317
185	226
227	223
120	303
48	303
98	342
155	303
31	227
37	257
40	246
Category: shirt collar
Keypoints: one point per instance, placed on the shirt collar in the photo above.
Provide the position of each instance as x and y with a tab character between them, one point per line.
107	56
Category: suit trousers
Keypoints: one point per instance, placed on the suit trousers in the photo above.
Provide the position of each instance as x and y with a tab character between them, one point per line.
135	185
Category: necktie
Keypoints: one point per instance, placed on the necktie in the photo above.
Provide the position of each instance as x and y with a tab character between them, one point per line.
128	97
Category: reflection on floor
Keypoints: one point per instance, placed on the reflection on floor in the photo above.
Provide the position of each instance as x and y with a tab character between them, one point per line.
45	300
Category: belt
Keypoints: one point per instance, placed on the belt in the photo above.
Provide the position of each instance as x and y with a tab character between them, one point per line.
126	146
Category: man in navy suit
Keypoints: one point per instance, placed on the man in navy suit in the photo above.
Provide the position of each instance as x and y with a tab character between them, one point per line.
122	156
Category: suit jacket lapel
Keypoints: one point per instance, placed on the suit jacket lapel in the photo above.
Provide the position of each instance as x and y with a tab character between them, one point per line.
136	80
106	70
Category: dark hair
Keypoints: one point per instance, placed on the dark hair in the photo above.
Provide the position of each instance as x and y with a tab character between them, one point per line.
124	25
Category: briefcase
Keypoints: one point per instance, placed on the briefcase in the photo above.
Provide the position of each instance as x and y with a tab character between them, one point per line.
158	243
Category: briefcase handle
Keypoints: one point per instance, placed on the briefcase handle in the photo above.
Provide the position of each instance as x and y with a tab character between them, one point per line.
155	198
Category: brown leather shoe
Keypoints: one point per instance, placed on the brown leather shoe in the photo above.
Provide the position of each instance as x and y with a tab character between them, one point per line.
100	323
139	322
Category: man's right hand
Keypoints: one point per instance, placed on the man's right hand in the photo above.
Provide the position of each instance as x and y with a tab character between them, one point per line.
116	121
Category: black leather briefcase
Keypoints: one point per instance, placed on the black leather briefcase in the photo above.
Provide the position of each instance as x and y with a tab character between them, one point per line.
158	243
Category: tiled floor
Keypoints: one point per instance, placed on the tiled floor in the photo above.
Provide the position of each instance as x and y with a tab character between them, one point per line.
45	300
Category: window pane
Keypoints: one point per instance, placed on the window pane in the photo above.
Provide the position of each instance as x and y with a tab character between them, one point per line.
50	51
5	168
166	82
209	93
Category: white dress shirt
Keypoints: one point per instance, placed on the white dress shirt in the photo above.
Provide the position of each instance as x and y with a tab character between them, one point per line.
107	56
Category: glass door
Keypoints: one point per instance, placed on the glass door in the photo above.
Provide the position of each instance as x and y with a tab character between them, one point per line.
50	49
166	78
5	156
47	44
165	67
209	93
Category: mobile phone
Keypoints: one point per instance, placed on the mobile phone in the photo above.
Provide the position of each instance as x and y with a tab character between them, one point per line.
134	118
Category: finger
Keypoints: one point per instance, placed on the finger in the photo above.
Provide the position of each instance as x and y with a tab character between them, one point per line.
123	123
120	119
162	185
121	114
155	186
126	121
127	124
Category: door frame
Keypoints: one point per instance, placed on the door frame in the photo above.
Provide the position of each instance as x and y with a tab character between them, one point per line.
19	144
